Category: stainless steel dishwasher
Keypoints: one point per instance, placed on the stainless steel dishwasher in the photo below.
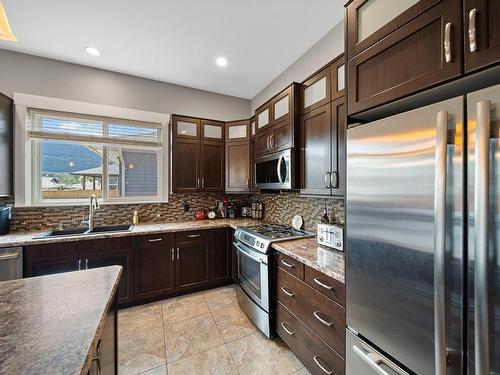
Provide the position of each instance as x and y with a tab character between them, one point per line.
11	263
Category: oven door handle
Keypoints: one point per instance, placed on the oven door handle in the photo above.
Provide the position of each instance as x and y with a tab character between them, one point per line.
246	253
278	168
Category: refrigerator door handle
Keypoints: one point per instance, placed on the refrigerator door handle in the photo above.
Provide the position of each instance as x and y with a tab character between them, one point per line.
481	189
440	243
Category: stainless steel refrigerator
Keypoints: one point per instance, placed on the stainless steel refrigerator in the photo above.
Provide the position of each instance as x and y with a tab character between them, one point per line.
423	240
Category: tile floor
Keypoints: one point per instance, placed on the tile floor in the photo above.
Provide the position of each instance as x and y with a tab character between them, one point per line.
202	333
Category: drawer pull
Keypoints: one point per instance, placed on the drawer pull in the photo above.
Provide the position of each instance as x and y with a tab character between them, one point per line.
318	281
317	316
289	294
194	235
155	240
289	265
290	332
323	368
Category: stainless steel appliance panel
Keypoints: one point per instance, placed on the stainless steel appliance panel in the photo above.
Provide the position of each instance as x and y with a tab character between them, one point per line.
404	233
11	263
483	111
275	171
363	359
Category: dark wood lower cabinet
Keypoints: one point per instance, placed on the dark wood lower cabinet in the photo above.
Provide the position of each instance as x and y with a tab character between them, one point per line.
154	266
115	258
312	352
154	272
192	269
221	257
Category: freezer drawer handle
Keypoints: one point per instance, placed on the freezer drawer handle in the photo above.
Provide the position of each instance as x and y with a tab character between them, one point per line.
326	323
289	294
481	189
9	256
290	332
322	367
372	359
440	242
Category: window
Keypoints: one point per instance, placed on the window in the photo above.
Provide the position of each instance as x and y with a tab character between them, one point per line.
75	156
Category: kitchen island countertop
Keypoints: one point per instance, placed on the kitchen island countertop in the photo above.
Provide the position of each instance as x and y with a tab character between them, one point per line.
308	251
51	324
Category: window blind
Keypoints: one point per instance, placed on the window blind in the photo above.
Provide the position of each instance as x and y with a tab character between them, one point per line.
82	128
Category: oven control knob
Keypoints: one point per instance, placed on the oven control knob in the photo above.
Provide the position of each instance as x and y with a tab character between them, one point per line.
338	243
321	239
262	245
257	243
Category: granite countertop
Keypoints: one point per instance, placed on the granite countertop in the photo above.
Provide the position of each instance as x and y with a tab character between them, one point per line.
328	261
28	238
51	324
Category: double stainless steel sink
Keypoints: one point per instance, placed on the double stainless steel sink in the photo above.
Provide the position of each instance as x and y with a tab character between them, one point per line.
83	231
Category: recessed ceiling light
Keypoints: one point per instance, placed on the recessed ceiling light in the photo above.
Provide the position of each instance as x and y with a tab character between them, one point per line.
221	61
93	51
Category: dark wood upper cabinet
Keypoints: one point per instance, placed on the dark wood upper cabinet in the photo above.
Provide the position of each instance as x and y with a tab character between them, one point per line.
481	33
238	166
315	91
192	268
212	130
186	165
212	166
417	55
197	154
237	130
369	21
154	272
6	145
338	147
316	151
263	116
186	127
337	77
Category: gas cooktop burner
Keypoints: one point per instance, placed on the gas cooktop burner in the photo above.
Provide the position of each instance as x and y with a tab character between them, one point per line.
261	236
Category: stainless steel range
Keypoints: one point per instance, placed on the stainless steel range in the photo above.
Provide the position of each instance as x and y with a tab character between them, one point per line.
254	258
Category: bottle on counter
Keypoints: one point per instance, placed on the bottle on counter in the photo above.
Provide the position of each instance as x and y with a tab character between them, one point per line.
325	219
135	218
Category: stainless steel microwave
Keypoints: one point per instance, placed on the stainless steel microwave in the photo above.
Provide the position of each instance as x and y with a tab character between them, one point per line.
276	171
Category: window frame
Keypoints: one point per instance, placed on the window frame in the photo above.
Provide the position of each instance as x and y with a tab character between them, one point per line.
31	148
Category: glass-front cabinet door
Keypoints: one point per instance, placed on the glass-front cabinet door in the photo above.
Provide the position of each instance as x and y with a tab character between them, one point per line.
185	127
263	116
316	91
212	130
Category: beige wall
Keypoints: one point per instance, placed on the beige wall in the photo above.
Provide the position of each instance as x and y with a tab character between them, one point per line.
40	76
325	50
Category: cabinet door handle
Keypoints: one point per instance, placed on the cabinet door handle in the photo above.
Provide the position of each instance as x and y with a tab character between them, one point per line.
86	264
289	294
155	240
321	284
317	316
272	140
289	265
203	182
177	253
194	236
290	332
334	180
79	262
472	30
198	183
267	142
323	368
447	42
173	255
328	180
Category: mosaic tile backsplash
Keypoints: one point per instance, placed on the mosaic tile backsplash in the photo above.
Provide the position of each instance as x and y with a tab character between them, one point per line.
278	207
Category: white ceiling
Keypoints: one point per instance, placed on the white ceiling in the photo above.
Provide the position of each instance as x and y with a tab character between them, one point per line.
176	40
